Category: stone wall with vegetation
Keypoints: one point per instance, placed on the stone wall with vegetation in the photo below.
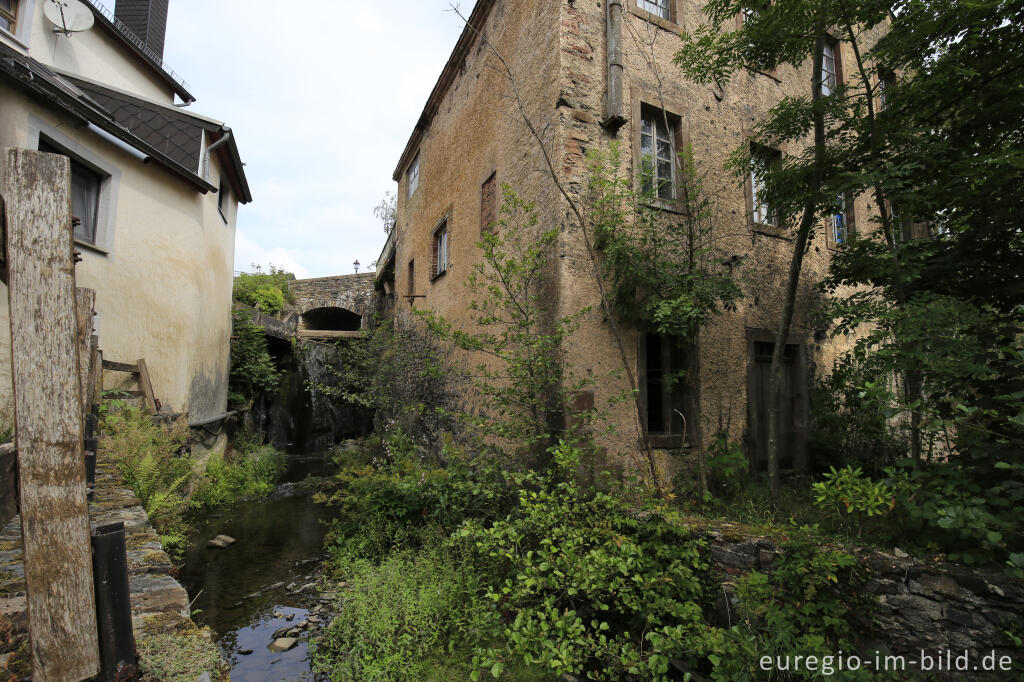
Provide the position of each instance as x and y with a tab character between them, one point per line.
921	604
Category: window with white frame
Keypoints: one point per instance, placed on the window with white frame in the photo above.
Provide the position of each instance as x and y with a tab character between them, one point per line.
413	175
440	250
840	220
9	15
657	153
762	160
829	70
85	195
749	14
659	8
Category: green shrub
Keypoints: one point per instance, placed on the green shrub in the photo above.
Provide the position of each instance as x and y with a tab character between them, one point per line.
253	373
849	494
267	290
400	618
588	582
391	498
239	475
809	604
155	462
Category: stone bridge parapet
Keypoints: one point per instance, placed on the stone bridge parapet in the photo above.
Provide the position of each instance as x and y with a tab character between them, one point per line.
324	303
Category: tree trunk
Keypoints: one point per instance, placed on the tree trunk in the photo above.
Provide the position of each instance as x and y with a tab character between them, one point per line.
775	383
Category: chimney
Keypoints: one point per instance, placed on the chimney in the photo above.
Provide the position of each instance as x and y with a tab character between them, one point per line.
147	19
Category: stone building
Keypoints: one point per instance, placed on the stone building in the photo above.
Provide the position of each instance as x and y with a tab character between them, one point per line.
156	188
471	139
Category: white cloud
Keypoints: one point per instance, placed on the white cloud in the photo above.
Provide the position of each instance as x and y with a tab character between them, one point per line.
322	103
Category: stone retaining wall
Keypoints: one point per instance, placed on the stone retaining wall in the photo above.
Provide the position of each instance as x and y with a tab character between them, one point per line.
922	605
159	603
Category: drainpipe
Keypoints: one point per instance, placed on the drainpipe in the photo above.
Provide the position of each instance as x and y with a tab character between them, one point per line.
614	119
209	150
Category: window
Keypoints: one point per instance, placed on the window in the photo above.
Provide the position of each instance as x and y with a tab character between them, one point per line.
8	15
829	70
659	8
413	175
223	205
488	203
85	195
886	81
663	373
657	153
749	14
762	160
840	220
440	250
411	289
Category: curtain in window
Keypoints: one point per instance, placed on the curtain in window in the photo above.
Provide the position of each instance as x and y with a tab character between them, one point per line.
85	198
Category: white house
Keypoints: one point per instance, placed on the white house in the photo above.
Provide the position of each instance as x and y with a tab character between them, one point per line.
155	186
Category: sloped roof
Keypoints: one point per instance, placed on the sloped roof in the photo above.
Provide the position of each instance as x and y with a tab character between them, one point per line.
176	133
170	137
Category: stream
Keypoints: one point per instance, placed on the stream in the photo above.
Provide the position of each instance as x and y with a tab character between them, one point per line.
264	582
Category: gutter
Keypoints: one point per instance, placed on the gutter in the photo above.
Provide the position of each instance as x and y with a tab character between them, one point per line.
209	150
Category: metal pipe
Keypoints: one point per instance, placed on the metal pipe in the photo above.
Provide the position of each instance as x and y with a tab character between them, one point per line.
211	420
209	150
613	101
113	603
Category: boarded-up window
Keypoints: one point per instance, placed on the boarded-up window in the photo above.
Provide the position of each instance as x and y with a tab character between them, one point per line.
791	414
488	203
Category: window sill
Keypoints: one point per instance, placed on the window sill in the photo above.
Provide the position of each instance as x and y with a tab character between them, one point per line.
769	231
439	275
4	33
92	247
666	441
667	205
658	21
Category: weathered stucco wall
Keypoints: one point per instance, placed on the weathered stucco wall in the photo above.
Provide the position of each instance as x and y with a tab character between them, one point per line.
87	54
163	282
558	56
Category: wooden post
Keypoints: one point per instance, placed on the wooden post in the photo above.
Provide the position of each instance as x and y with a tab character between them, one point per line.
48	412
146	385
85	307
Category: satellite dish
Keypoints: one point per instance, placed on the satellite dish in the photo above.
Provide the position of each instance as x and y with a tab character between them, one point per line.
68	16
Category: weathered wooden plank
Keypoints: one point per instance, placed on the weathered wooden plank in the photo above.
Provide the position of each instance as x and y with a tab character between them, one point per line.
95	371
120	366
85	307
97	368
146	385
44	361
327	334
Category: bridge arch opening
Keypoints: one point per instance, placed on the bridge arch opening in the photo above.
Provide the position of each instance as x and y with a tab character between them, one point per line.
332	320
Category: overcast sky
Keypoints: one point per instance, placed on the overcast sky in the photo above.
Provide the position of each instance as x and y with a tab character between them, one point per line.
322	97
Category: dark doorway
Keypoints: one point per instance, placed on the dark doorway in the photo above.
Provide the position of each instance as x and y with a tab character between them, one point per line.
793	417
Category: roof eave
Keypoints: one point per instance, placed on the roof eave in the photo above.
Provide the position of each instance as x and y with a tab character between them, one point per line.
474	26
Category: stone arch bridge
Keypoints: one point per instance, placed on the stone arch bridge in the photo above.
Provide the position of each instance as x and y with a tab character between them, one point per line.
333	307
